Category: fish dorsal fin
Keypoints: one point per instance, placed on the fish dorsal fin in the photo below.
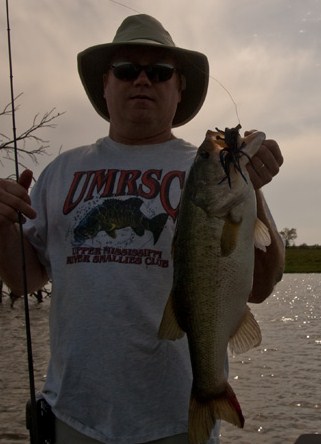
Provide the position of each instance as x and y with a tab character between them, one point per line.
247	336
262	238
169	327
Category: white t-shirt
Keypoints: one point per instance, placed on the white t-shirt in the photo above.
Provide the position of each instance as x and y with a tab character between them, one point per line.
106	218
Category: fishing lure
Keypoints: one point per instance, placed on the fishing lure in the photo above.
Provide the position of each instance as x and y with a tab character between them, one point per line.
232	152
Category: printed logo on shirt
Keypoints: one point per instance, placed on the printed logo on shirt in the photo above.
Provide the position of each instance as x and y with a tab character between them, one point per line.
112	209
112	183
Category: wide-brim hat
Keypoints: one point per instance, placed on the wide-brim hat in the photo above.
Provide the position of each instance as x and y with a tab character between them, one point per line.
144	30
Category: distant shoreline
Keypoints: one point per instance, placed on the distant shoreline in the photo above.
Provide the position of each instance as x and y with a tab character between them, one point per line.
303	259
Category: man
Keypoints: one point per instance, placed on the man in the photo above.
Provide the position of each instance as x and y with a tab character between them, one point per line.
101	222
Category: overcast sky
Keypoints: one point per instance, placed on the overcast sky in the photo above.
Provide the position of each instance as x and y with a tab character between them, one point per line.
267	54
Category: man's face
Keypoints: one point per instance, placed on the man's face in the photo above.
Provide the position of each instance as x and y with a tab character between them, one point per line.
142	103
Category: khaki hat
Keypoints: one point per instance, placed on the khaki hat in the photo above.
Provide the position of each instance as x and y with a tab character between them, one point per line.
144	30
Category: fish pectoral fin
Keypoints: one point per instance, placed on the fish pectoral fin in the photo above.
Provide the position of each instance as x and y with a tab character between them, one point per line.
169	327
229	236
262	238
247	336
203	415
110	229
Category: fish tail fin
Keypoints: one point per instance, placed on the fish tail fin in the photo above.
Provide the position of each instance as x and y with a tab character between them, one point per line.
204	414
156	225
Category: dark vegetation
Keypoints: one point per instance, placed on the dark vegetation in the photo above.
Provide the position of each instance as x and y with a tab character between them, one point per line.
303	259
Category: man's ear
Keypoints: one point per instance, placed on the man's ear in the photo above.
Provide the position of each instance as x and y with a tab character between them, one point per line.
181	85
182	82
105	81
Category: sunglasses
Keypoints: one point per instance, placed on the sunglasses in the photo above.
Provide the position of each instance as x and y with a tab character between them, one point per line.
128	71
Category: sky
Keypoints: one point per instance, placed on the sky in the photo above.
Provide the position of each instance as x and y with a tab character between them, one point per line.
265	67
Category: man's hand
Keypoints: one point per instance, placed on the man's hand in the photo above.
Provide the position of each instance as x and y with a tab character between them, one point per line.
14	197
265	164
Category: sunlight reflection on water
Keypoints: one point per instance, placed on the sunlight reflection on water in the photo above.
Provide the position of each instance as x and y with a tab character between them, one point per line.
278	384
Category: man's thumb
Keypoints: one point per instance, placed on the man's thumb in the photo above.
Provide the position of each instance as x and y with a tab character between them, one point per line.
25	179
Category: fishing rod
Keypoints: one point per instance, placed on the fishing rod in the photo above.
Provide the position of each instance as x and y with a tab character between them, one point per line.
33	420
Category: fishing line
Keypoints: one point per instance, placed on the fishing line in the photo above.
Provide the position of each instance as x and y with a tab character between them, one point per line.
230	96
34	420
125	6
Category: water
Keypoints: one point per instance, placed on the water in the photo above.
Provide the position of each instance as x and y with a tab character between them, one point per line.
278	384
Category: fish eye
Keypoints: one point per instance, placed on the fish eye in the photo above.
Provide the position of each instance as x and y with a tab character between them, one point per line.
204	154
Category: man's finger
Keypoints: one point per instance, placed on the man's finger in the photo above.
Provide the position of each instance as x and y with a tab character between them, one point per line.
25	179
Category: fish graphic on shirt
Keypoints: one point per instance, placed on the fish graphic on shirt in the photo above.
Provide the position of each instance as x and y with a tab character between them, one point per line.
115	214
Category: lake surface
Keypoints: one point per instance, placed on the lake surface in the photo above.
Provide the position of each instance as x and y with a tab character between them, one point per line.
278	384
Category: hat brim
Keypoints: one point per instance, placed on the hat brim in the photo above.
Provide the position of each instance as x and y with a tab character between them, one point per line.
93	63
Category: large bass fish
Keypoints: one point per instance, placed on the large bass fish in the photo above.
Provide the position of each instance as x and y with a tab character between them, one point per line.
213	254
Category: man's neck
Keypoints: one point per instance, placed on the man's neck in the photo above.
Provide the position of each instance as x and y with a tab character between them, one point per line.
140	138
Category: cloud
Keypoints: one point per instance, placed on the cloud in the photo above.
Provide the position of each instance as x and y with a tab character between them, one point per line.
264	56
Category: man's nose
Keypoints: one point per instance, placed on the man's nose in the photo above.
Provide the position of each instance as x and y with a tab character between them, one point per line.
143	78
